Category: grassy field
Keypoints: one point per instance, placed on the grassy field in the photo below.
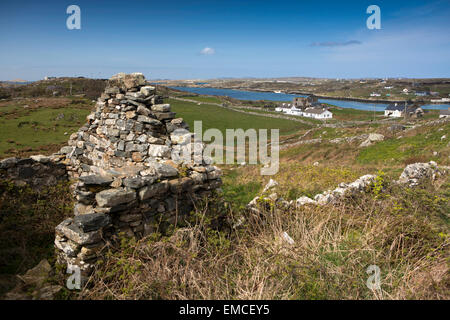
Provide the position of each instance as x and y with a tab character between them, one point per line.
41	126
418	146
206	99
222	119
355	115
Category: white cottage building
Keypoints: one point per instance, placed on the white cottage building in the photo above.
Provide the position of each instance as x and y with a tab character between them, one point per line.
394	111
316	113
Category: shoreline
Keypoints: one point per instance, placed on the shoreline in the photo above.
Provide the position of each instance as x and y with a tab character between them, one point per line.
374	101
380	101
316	95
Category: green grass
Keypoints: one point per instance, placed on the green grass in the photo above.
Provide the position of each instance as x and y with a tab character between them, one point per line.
236	193
39	128
222	119
394	150
207	99
348	114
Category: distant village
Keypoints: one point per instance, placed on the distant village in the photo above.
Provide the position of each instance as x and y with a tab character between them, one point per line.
310	107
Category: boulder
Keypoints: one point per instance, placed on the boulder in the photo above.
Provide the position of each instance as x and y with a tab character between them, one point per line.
416	173
372	138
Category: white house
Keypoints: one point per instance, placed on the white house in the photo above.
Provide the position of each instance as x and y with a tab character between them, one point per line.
394	111
294	111
398	111
316	113
375	94
279	109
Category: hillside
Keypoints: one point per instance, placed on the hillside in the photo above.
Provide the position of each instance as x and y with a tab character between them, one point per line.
227	250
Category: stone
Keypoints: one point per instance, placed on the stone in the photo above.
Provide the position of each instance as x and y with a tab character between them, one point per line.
136	156
270	185
81	209
142	110
71	231
212	175
396	128
8	163
160	151
147	90
47	292
92	222
114	197
66	150
180	136
96	180
373	137
134	96
130	114
163	170
134	183
161	107
40	158
130	217
304	200
287	238
180	185
146	119
416	173
112	90
128	81
164	115
69	247
153	190
85	197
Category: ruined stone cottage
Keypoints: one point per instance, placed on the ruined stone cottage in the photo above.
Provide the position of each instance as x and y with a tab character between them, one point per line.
135	166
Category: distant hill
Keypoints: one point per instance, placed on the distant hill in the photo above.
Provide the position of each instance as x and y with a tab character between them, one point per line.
17	80
91	88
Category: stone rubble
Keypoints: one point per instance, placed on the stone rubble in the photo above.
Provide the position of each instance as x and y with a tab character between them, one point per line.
412	176
36	171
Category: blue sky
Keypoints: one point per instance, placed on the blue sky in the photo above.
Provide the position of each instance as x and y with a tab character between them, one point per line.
209	39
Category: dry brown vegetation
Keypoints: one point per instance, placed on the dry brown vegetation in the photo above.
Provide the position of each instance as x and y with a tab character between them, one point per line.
403	231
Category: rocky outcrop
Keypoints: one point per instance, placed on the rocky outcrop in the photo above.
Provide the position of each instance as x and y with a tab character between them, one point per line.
416	173
371	139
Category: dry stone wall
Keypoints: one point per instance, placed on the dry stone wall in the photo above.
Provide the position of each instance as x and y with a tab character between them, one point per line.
135	166
37	171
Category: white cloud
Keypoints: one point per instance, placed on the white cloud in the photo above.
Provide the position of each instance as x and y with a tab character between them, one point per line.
208	51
